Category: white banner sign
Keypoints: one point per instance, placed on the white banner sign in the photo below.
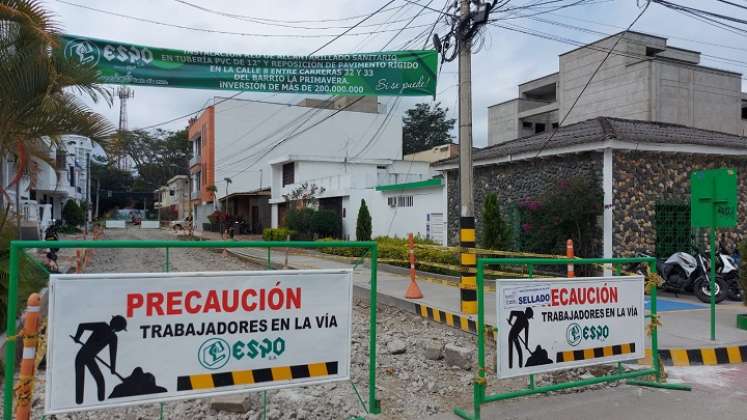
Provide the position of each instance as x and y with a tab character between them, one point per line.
548	324
120	339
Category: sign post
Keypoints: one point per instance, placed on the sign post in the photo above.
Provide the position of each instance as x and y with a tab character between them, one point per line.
147	338
713	203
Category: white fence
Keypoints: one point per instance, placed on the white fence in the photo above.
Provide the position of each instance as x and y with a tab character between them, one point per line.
115	224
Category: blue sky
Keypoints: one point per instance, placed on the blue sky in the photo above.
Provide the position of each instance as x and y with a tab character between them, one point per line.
506	58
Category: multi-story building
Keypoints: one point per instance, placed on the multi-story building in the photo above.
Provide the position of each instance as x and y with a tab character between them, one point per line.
644	79
255	153
175	196
45	188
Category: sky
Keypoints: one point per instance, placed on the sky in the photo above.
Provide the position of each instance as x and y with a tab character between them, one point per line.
501	60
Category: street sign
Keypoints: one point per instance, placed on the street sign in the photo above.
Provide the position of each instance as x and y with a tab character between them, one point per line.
124	339
387	73
547	324
713	198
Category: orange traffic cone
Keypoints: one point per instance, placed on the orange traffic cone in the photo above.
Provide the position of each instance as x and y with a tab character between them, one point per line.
413	291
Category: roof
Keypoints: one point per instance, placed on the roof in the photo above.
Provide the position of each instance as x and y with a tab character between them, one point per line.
608	128
433	182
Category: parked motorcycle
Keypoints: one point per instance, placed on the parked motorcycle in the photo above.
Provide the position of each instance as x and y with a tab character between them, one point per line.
728	269
683	272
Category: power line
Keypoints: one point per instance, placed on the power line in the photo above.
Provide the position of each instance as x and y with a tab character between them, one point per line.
591	78
407	24
235	15
733	4
279	23
443	13
352	27
215	31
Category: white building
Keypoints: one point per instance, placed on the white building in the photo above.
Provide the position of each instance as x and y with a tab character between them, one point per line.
45	188
265	150
175	196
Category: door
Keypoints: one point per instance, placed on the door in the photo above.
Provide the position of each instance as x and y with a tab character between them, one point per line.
256	228
435	227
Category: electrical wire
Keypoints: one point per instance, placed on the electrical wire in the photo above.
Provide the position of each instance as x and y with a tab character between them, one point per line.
284	24
591	78
216	31
352	27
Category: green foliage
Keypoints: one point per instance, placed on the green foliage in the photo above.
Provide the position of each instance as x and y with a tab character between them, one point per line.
69	229
363	224
299	221
425	127
743	269
111	184
168	214
568	210
72	214
218	217
326	224
496	234
277	234
158	155
396	249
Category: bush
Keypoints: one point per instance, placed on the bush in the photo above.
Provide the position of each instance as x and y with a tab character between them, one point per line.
299	221
743	269
363	224
278	234
325	224
218	216
168	214
73	214
495	232
568	210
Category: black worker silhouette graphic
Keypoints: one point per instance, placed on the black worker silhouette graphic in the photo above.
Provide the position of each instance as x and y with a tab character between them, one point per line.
103	335
519	321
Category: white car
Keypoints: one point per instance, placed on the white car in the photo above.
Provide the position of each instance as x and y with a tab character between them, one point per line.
180	224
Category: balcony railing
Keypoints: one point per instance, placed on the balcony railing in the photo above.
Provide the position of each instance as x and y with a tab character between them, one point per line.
195	160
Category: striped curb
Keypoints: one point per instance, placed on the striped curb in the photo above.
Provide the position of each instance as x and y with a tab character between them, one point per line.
255	376
669	357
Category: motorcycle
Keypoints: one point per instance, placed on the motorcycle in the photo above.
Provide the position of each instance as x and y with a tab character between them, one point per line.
728	269
683	272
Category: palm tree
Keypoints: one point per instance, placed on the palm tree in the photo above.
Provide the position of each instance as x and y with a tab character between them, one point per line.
38	88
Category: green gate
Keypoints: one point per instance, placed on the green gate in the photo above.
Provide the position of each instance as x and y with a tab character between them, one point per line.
672	224
479	396
17	248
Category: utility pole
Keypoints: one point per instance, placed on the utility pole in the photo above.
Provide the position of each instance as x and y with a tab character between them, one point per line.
467	234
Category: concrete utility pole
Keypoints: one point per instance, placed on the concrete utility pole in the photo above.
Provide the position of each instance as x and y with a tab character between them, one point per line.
467	235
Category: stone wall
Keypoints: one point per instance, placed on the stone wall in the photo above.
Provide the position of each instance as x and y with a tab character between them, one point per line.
517	181
641	179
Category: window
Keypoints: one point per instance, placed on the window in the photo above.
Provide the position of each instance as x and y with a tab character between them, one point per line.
539	128
400	201
744	113
554	126
289	173
526	124
71	175
172	193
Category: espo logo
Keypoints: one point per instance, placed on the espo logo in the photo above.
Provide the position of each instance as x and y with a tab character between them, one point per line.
85	52
573	334
128	54
214	353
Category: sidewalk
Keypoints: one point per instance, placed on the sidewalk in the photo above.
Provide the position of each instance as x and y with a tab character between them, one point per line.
684	336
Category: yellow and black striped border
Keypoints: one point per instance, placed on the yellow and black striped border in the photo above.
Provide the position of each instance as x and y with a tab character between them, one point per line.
467	261
594	353
701	356
453	320
255	376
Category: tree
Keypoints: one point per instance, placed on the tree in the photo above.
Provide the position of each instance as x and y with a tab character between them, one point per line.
363	224
37	84
158	155
112	184
72	213
496	234
425	127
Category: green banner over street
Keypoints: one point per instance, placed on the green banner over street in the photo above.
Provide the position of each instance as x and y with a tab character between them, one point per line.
394	73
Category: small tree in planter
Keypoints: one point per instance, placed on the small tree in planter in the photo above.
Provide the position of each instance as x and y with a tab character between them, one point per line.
212	189
72	213
363	224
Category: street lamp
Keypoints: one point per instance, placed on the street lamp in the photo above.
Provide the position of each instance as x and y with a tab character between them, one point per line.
228	181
